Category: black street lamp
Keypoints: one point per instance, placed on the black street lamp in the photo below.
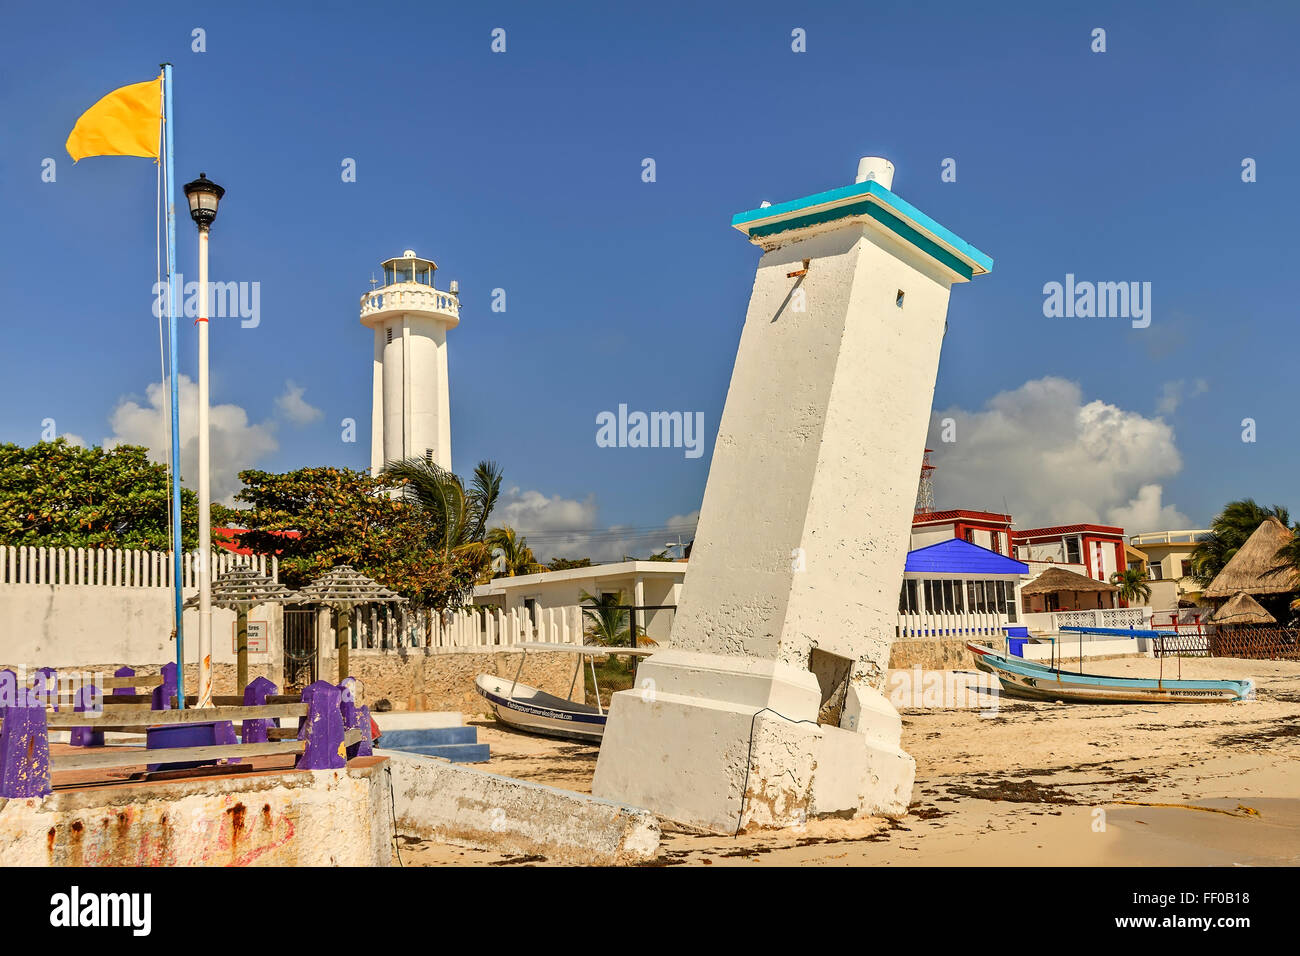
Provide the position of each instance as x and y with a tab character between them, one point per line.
204	195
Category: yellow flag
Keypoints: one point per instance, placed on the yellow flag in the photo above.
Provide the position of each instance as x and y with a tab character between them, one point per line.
123	123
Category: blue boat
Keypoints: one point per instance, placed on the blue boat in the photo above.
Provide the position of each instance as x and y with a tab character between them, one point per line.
1021	678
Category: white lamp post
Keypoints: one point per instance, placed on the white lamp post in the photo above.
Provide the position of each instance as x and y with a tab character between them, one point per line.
204	195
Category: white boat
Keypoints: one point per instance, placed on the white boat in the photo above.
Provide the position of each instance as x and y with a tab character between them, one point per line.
537	712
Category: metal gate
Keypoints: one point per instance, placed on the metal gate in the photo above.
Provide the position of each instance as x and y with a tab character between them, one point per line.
300	653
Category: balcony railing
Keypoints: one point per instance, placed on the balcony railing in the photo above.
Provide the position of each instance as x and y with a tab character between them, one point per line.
1167	537
409	297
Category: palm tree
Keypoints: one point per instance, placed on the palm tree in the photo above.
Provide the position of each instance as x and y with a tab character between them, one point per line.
455	519
454	516
1228	533
606	621
1132	584
516	556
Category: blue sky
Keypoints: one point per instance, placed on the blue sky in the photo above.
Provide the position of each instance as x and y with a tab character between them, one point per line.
522	171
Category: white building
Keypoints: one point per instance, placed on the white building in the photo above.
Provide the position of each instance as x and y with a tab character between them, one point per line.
410	416
653	586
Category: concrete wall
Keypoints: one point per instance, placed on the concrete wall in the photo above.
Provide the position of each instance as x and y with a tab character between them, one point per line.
928	536
448	802
937	654
298	818
443	678
61	625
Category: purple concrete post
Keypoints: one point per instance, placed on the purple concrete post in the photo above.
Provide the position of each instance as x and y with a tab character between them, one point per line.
348	703
364	748
45	683
25	749
352	717
255	694
161	698
8	689
323	730
306	699
223	732
87	698
124	672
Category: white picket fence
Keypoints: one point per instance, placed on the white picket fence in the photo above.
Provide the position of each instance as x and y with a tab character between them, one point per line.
939	624
117	567
382	629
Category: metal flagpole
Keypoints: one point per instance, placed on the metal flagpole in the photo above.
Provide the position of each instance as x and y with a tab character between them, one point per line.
177	559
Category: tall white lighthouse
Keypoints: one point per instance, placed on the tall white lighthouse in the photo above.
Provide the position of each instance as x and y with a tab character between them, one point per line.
410	417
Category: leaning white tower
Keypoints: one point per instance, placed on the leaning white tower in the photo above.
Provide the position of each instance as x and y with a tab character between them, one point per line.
410	416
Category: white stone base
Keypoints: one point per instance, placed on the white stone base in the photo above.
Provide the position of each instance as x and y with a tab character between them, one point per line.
698	735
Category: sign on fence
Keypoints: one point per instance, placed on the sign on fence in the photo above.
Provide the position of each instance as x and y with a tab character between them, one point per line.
256	637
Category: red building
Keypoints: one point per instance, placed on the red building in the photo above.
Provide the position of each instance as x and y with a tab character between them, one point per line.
1098	549
988	529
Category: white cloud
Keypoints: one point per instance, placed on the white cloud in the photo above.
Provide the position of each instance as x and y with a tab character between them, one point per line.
1048	457
72	439
1173	394
295	408
1147	512
234	443
565	527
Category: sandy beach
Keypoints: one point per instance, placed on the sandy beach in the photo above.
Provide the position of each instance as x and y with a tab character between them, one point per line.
1027	783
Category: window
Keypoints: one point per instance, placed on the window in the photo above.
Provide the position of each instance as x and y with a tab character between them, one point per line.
389	333
428	456
1157	572
1187	569
898	301
1073	553
907	598
1010	602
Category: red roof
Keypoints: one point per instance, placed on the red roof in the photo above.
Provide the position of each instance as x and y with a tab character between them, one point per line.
228	539
1058	530
942	517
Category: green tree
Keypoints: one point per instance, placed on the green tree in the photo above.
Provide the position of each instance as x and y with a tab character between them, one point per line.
317	518
1132	583
516	557
454	517
1228	532
564	564
606	623
55	494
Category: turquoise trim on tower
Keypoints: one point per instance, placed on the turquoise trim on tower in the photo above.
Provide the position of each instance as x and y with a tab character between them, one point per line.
874	200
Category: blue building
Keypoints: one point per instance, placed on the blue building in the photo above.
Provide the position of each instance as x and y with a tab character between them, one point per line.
955	589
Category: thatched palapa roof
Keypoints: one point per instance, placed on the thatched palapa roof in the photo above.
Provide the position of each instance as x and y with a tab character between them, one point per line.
1241	608
1255	568
1059	579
